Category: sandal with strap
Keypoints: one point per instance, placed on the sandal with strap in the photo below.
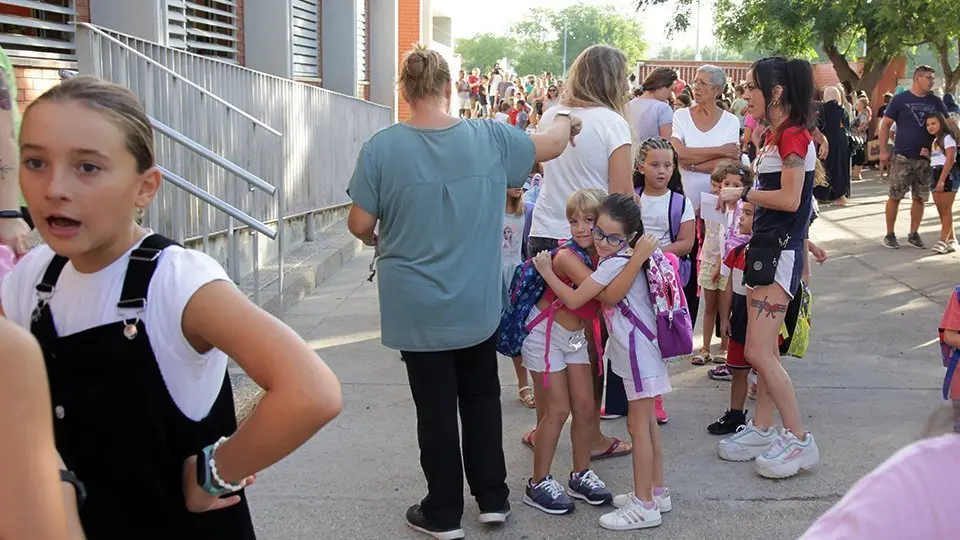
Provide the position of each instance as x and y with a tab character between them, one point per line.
720	358
702	358
617	448
527	398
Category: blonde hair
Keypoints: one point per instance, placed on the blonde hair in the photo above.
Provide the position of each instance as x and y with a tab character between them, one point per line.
514	206
117	104
423	74
585	202
598	78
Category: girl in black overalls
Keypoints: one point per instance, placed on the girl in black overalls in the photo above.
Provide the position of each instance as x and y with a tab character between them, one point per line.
136	332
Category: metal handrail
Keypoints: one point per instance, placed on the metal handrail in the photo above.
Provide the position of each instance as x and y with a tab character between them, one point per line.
216	159
176	75
217	203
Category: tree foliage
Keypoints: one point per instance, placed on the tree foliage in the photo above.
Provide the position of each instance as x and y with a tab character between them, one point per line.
843	30
535	44
484	50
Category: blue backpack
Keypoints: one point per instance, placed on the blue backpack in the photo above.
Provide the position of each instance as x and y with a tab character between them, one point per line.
526	288
950	357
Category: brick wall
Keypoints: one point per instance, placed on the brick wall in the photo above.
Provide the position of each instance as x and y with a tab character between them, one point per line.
33	81
241	59
39	76
83	10
408	34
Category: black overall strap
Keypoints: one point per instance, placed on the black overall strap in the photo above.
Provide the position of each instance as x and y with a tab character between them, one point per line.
50	277
41	324
140	269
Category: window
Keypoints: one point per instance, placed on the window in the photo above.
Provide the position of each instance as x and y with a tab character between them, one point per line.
205	27
38	28
306	39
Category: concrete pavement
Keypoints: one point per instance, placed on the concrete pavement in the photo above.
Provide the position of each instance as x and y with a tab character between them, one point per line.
866	387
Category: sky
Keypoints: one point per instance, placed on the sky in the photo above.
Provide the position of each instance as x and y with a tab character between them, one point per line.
496	16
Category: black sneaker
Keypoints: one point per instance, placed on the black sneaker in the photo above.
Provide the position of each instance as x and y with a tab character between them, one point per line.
494	517
419	522
914	240
728	423
890	241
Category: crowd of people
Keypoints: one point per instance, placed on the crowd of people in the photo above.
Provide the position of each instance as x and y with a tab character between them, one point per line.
616	187
598	227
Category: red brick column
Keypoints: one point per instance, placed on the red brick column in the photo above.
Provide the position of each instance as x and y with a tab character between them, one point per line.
408	34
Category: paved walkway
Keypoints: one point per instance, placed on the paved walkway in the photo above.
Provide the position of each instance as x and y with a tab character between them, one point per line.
869	382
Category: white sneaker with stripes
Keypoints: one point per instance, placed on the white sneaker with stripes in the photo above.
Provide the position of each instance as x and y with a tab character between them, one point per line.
631	515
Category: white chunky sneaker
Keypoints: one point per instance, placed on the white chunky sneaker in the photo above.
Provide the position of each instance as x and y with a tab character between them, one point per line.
788	456
747	443
631	515
663	501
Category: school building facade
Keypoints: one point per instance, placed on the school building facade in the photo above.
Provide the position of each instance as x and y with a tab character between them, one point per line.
352	47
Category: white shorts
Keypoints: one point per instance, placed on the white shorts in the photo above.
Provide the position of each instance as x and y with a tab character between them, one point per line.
789	271
654	376
566	347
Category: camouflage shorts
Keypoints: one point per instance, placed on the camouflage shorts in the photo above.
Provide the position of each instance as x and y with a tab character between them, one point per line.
911	175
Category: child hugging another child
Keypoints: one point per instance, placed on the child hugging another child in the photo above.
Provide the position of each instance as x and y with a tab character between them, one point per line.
555	352
633	356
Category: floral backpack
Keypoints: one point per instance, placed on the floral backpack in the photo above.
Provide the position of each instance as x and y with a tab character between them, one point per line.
674	335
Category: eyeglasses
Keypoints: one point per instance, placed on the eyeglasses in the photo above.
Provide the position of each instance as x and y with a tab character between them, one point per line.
701	84
612	240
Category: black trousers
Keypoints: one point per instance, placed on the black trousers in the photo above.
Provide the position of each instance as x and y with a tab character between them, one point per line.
440	382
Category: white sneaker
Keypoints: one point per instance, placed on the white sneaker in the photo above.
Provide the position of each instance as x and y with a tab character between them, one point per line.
788	456
663	501
631	516
747	443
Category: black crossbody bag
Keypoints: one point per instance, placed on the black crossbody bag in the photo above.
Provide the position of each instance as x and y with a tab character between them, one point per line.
763	255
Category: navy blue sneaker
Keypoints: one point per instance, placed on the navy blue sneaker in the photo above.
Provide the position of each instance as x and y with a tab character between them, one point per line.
588	487
548	496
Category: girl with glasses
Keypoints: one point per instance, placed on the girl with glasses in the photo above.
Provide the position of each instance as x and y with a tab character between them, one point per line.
618	227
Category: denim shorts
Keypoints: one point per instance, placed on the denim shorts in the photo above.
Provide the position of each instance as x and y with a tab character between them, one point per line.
950	185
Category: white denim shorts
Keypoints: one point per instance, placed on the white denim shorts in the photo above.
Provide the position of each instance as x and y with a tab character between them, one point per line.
566	347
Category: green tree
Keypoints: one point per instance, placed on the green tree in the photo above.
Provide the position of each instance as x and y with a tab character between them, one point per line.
484	50
842	30
535	44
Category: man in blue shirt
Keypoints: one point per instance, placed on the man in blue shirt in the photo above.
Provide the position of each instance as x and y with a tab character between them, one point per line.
910	167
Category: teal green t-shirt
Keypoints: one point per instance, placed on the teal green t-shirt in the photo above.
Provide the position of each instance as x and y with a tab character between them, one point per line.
440	195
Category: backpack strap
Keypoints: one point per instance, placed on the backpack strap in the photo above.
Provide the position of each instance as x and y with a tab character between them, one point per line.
635	324
951	369
676	214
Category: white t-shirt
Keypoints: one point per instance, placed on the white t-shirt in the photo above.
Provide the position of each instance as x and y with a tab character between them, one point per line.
655	210
727	130
502	117
512	240
618	345
938	157
84	301
585	165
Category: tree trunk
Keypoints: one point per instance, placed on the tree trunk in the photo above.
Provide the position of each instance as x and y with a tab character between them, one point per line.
950	75
873	67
